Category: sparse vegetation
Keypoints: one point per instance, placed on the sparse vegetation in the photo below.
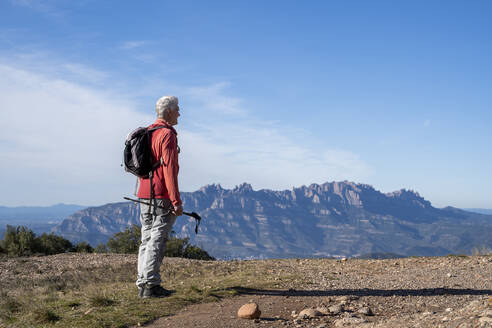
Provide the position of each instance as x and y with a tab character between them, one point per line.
50	244
125	242
176	247
21	241
101	248
44	315
128	241
98	290
100	300
84	247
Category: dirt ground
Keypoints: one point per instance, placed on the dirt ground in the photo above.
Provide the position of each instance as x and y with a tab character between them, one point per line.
414	292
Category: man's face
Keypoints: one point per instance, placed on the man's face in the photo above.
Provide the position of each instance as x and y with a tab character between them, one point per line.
173	116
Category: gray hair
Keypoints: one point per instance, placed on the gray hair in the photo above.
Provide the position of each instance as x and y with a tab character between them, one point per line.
165	104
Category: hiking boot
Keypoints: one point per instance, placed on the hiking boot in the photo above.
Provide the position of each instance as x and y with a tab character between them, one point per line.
155	291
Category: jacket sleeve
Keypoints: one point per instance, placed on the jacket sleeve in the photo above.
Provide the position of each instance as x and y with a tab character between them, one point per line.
171	167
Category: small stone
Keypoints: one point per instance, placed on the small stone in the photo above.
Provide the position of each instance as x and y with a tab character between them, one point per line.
449	275
365	311
449	310
349	321
88	311
474	304
249	311
335	309
293	314
323	325
323	309
485	320
309	313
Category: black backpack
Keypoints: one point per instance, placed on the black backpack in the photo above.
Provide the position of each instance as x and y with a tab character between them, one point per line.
137	155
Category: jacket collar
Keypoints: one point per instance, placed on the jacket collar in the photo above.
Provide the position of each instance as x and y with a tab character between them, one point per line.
160	121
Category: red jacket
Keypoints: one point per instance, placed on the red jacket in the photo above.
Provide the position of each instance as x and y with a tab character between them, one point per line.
165	180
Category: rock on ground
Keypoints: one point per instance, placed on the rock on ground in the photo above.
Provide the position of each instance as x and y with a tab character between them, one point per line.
249	311
402	293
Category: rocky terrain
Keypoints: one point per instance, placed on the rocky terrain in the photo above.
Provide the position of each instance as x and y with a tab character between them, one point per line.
412	292
336	219
97	290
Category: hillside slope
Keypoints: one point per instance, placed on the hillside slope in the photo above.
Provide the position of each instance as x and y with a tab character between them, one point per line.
98	290
333	219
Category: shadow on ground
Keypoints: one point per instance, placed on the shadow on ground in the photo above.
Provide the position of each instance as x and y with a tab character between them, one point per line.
362	292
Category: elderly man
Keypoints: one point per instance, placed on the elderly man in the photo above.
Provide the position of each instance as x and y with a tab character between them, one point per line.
156	221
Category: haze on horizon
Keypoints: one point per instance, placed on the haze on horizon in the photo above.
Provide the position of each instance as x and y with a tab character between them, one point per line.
277	94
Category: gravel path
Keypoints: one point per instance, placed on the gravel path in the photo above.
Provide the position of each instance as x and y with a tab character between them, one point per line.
414	292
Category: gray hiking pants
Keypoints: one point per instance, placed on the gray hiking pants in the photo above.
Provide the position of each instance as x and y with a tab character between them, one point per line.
155	231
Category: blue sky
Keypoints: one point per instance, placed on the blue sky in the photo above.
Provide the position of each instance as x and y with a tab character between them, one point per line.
396	94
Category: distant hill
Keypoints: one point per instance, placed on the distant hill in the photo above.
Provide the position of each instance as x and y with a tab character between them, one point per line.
480	210
339	219
38	213
38	218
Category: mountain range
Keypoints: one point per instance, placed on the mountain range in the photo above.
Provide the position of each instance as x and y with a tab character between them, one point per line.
37	218
334	219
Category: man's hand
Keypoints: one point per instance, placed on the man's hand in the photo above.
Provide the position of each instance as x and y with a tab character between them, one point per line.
178	210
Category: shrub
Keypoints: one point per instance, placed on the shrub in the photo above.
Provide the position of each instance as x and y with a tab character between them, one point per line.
84	247
50	244
194	252
126	242
101	248
177	247
19	241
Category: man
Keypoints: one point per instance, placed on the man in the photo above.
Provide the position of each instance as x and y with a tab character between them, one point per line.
156	221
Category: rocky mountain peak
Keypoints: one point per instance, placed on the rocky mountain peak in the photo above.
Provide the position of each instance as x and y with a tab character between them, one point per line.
210	188
409	196
242	188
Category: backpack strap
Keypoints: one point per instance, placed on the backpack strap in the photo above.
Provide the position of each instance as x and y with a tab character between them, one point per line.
155	166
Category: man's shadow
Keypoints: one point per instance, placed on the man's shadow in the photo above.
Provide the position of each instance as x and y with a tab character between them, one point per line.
362	292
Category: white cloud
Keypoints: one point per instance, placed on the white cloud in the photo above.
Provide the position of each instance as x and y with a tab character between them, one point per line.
133	44
212	98
62	142
267	156
85	73
223	143
50	9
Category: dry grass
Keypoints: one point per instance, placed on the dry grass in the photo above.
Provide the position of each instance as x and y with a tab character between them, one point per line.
100	293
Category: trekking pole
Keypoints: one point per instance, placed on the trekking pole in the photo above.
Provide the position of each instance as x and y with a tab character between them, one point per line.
169	210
